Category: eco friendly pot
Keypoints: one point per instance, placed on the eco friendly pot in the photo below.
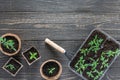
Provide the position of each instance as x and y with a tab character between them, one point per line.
94	57
31	55
10	44
12	66
51	69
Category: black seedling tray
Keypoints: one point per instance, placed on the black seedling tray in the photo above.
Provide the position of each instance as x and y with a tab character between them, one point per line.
95	56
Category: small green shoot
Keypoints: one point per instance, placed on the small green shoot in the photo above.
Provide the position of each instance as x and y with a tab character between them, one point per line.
90	74
9	44
84	51
95	44
99	73
110	53
33	55
117	52
94	63
51	70
11	67
80	66
104	64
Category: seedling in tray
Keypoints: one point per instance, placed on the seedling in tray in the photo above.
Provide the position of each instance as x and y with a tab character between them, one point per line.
95	56
31	55
12	66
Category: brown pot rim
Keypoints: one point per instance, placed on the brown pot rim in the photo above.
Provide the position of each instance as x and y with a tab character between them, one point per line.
54	77
19	46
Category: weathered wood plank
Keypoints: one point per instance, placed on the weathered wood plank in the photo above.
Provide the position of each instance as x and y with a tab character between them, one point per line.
94	6
70	31
59	18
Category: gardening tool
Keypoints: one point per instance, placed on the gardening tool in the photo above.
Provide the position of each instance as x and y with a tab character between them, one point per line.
68	54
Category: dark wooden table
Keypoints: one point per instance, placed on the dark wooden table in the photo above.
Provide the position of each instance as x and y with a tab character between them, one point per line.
67	22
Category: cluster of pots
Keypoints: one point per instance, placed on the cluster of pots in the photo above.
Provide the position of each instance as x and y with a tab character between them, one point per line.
10	45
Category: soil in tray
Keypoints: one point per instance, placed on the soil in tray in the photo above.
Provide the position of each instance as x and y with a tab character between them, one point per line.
16	44
12	66
91	62
51	69
31	55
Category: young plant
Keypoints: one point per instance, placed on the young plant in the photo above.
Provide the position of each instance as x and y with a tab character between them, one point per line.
102	58
110	53
117	52
95	44
9	44
90	74
94	63
104	64
11	67
84	51
80	66
99	73
33	55
51	70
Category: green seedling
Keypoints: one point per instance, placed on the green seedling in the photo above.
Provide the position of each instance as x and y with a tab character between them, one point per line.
33	55
90	74
117	52
99	73
51	70
102	58
104	64
95	44
9	44
110	53
94	63
11	67
84	51
80	66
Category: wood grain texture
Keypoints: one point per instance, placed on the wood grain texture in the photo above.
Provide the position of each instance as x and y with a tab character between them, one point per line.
67	22
95	6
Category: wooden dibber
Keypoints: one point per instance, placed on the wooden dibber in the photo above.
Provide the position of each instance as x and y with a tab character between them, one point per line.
54	45
59	48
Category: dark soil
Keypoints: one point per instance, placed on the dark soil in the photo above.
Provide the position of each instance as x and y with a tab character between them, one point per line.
16	65
16	45
51	65
108	44
27	54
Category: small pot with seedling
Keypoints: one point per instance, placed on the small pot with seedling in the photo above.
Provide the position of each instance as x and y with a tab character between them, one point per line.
51	70
12	66
10	44
94	57
31	55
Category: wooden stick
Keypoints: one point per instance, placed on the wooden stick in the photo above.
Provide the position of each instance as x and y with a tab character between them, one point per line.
54	45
